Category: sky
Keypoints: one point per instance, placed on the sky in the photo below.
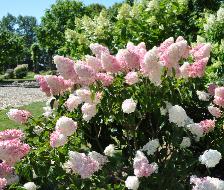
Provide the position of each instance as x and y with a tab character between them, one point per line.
37	7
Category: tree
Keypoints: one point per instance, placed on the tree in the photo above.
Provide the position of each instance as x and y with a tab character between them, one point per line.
26	28
8	23
35	55
11	48
53	24
94	9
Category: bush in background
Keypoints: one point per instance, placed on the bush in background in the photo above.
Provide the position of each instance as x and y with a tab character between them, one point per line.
21	71
9	74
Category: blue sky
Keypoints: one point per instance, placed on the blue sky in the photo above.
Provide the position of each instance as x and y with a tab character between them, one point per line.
37	7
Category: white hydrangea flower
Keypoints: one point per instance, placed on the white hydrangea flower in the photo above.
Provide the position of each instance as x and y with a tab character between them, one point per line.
124	11
152	5
30	186
196	130
186	142
151	146
210	158
109	150
207	183
178	115
101	159
66	125
210	22
132	182
220	14
202	95
128	106
89	110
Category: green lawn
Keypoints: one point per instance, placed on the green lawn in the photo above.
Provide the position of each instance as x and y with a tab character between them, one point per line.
29	77
35	108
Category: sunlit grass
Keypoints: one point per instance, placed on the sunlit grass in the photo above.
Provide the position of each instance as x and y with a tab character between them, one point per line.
5	123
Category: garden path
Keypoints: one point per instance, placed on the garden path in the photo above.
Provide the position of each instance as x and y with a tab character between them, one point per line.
19	96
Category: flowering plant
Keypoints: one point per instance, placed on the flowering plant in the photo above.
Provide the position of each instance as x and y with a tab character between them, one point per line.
137	119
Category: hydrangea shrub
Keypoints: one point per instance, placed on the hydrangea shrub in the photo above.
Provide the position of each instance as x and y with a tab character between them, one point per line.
140	119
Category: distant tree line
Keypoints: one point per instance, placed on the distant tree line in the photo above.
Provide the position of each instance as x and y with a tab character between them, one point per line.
24	41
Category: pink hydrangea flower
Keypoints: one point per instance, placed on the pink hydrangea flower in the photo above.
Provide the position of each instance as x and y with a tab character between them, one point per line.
101	159
43	84
106	79
201	51
131	78
219	91
179	38
173	52
127	59
164	45
171	56
84	93
197	69
151	59
219	96
57	84
110	63
89	111
141	166
216	112
152	67
94	63
207	125
139	50
184	70
10	134
19	116
83	70
65	67
98	49
11	151
219	101
72	102
57	139
211	89
66	126
3	183
5	170
81	164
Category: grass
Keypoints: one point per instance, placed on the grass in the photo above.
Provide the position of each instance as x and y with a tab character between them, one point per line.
5	123
29	77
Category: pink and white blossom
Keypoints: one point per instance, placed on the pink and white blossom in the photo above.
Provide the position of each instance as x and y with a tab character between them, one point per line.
206	183
132	182
66	126
129	105
19	116
57	139
141	166
216	112
72	102
131	78
65	67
